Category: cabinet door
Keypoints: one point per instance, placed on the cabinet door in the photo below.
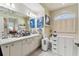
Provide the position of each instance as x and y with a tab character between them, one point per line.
32	45
16	49
29	45
36	42
5	49
26	47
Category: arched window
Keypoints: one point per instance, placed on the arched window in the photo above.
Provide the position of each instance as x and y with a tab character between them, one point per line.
65	16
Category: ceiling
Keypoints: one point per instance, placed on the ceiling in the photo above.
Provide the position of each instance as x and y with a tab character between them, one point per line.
23	8
55	6
35	7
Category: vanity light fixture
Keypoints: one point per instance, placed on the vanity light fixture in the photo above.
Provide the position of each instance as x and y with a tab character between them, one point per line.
63	4
11	5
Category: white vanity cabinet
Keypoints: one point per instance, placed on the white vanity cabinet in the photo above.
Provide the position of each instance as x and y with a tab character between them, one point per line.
21	46
12	49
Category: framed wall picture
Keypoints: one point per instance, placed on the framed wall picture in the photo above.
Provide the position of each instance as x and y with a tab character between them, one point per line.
47	20
40	22
32	23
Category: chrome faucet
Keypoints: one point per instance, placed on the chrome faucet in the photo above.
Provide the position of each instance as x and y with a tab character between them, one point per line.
4	35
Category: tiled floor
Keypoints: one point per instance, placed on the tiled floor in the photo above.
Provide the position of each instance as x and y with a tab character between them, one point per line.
39	52
47	53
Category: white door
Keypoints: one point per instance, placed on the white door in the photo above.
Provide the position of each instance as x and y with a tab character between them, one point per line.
68	49
16	49
5	49
65	46
60	46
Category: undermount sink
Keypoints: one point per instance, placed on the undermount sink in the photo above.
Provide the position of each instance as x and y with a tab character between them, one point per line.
4	37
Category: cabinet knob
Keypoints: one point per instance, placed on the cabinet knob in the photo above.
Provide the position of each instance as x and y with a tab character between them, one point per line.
54	48
64	46
54	40
6	46
12	45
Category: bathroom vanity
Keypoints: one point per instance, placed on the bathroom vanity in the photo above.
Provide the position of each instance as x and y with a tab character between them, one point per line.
20	46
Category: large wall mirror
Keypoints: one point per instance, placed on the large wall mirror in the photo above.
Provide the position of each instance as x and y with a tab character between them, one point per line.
1	24
11	24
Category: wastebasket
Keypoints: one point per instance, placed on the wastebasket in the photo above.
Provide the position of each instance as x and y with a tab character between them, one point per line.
45	42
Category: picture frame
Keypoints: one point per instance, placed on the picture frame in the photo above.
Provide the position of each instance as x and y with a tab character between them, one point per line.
47	20
40	22
32	23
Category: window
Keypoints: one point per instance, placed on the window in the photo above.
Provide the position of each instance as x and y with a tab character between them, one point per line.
65	16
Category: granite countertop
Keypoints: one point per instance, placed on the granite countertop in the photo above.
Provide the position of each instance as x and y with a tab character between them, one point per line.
9	40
